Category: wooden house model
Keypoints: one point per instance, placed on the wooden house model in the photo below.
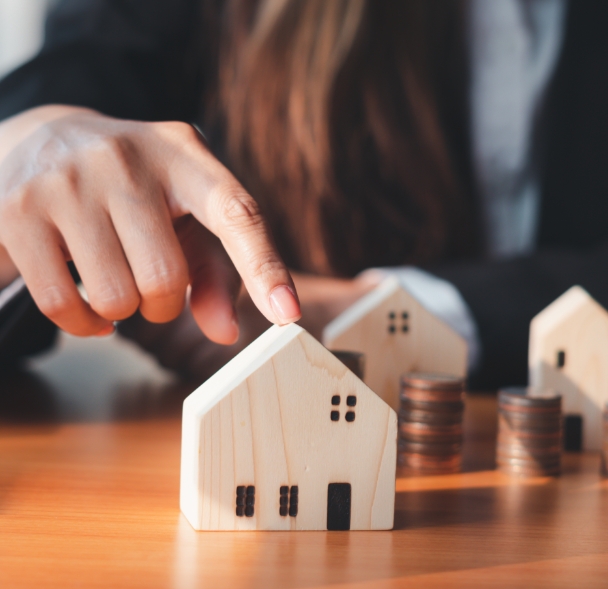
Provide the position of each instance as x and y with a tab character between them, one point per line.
397	334
568	352
285	437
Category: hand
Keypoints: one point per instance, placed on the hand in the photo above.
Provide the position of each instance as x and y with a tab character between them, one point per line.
143	210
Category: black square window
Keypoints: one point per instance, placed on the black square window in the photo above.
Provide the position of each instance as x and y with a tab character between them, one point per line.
334	415
335	400
350	416
288	501
245	500
351	400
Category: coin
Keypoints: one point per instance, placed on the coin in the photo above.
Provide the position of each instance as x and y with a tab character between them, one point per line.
530	410
431	396
514	451
430	422
426	431
528	443
529	432
432	417
509	421
408	404
424	463
437	449
432	381
519	396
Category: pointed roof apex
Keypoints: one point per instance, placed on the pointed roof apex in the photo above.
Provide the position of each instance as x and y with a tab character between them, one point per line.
241	367
362	307
570	302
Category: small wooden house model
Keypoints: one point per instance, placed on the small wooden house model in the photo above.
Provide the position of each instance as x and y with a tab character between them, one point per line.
568	352
285	437
397	334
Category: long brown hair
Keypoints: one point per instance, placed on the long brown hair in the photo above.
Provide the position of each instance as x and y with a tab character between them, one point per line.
346	119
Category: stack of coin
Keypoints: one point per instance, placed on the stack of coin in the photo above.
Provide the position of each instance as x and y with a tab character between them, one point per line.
354	361
529	432
430	423
605	442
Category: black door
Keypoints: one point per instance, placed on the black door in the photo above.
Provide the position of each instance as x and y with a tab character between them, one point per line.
573	433
338	506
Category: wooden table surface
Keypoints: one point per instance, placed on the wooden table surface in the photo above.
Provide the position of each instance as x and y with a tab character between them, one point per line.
89	480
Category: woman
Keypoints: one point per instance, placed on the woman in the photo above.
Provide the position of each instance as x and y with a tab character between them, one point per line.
366	132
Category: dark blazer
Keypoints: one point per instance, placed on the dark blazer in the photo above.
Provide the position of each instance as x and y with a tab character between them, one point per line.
145	59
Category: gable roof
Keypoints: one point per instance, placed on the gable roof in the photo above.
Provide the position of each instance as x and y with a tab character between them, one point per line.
244	364
241	367
571	302
366	304
362	307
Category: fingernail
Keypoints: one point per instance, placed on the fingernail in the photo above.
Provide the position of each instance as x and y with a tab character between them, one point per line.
285	304
108	330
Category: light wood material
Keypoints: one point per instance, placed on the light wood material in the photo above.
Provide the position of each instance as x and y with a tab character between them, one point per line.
264	420
577	326
90	503
397	334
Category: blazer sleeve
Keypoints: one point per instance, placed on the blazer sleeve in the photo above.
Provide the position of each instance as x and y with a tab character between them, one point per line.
504	296
137	59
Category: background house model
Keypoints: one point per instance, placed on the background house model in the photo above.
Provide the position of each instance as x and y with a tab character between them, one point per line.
397	334
569	353
285	437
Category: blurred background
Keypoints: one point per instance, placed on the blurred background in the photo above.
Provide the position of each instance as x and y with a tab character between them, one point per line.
21	30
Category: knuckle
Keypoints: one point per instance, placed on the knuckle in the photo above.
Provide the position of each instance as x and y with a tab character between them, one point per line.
163	282
55	302
114	303
109	146
17	203
265	265
181	131
117	153
238	209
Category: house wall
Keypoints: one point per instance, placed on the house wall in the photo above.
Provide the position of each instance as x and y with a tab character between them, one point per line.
583	380
275	429
427	345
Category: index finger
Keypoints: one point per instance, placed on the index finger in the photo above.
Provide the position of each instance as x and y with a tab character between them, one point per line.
199	184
